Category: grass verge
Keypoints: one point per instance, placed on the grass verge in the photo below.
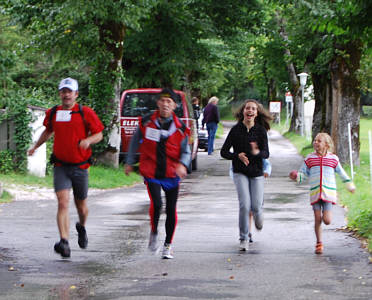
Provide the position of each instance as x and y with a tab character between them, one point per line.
359	204
99	177
5	197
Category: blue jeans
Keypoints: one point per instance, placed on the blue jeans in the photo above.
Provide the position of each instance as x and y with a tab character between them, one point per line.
250	195
211	128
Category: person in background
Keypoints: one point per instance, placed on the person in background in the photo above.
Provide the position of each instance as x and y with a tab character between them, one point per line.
162	139
211	117
320	167
75	129
196	108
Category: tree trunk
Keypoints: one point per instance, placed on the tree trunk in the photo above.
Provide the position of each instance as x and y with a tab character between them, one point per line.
112	35
296	121
323	105
346	100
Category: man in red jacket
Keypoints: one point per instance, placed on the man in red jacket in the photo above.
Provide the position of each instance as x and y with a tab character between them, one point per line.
165	155
75	129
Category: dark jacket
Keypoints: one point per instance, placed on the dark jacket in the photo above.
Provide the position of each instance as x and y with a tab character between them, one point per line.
211	114
239	138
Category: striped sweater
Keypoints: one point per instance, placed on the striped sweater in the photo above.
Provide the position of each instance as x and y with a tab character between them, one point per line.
321	172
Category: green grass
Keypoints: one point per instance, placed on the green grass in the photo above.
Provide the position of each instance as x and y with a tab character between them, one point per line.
359	204
5	197
99	177
108	178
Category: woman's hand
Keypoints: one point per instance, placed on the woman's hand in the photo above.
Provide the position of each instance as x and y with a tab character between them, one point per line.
243	158
255	149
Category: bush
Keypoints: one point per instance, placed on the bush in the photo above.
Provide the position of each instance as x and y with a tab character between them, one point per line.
6	161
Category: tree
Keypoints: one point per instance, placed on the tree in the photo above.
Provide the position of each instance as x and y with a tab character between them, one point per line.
347	26
89	31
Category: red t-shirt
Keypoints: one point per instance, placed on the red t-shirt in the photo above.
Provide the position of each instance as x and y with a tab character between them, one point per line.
69	129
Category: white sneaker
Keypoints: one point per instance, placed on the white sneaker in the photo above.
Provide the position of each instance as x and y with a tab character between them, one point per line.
243	245
153	242
167	251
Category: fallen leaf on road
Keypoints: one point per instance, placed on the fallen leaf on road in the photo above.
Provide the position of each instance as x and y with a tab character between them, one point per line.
72	287
232	277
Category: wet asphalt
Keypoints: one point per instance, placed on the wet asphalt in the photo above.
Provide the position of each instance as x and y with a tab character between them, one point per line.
280	263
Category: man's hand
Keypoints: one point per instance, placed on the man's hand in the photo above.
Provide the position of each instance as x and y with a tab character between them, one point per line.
243	158
128	169
181	171
31	151
84	144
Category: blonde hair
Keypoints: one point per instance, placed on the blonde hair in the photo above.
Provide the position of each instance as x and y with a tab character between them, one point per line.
213	99
328	140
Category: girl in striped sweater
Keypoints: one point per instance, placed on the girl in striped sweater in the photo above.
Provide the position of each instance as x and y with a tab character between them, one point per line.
320	167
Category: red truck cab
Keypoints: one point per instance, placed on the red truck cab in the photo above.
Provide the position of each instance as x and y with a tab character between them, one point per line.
136	103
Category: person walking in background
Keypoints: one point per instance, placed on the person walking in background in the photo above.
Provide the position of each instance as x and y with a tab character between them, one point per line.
248	138
75	129
320	167
196	108
165	155
211	117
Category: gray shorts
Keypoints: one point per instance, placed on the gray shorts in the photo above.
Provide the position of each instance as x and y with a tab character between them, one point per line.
322	205
67	177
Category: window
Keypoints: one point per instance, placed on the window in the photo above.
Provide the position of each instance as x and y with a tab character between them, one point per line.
140	104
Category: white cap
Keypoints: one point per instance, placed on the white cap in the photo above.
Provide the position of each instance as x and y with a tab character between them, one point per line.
69	83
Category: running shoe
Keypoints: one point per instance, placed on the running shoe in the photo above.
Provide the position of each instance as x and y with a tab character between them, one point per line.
167	251
62	248
243	245
83	238
153	242
319	248
250	237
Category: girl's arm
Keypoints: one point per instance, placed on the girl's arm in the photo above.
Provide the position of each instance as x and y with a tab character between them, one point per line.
302	174
345	178
225	150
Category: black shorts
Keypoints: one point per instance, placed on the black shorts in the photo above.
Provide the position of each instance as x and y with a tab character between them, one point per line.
67	177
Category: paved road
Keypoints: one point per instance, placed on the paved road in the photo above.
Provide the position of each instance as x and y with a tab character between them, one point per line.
279	265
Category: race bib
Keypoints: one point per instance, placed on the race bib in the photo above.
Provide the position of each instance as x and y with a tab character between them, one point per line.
152	134
63	116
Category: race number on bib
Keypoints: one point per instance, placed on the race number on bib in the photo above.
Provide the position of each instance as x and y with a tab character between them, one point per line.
152	134
63	116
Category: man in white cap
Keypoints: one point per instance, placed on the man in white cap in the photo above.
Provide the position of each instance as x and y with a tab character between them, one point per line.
75	128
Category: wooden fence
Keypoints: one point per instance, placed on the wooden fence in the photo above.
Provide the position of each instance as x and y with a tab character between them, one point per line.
6	134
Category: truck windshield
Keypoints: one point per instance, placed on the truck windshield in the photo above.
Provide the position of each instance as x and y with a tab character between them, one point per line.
140	104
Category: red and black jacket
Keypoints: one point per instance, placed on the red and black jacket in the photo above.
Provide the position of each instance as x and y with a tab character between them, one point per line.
160	150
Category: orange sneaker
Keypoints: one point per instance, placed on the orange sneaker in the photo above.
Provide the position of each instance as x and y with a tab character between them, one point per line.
319	248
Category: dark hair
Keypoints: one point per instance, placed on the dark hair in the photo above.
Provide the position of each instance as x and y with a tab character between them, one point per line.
263	116
167	92
194	100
